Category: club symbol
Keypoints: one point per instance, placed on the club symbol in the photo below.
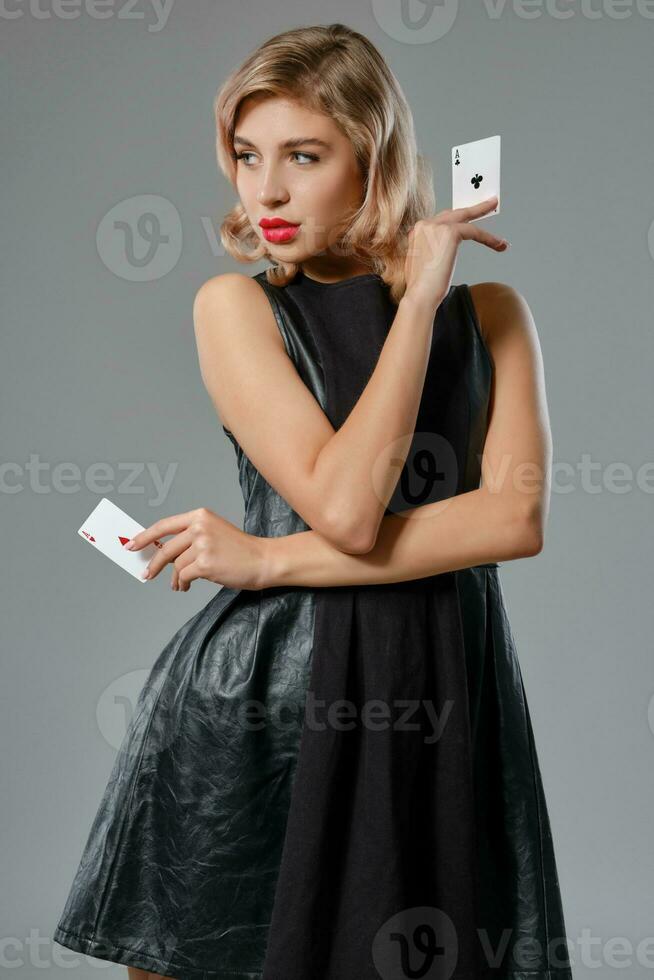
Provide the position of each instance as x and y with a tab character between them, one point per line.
476	180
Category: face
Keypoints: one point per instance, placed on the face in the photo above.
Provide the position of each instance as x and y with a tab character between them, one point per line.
314	184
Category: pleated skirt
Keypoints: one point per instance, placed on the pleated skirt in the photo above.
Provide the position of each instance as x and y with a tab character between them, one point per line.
332	784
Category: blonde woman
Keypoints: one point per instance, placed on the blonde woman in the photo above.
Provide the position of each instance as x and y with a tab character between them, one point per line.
331	773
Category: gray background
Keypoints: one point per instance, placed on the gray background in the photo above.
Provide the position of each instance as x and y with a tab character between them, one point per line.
98	367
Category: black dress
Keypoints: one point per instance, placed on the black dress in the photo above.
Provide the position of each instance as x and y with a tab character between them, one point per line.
337	783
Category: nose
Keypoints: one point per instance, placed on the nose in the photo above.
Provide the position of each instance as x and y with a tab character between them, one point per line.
271	191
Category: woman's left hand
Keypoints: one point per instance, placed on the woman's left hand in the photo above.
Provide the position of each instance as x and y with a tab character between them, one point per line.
205	546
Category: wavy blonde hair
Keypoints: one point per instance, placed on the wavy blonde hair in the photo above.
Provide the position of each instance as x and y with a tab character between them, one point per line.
338	72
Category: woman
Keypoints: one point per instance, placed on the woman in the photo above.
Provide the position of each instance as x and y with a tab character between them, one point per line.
331	770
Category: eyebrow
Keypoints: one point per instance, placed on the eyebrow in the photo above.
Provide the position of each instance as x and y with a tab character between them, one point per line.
287	144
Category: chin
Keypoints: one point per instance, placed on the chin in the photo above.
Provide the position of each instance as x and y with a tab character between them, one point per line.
286	252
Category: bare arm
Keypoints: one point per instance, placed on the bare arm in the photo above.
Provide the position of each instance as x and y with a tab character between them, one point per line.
324	475
502	520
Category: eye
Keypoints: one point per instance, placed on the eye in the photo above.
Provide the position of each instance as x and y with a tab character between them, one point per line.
245	153
311	157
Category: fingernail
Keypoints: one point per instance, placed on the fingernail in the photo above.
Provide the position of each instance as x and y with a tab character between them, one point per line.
146	573
129	544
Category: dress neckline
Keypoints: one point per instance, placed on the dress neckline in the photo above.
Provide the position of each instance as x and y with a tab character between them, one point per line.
364	277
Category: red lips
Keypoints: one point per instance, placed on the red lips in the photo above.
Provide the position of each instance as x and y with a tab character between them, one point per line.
278	230
277	223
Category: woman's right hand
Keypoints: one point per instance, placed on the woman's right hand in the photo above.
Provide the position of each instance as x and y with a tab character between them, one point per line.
432	250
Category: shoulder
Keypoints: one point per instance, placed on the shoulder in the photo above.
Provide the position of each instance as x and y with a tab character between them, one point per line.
227	287
233	312
233	298
500	308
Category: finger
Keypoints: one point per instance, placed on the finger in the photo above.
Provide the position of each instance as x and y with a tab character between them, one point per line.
186	558
174	581
169	552
475	233
187	575
474	210
167	525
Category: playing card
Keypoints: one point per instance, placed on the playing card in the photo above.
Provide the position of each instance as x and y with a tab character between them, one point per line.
107	528
476	173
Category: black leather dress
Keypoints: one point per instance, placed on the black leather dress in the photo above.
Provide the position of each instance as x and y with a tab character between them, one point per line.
339	783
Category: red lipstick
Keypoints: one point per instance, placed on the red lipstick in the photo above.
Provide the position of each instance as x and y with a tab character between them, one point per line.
278	230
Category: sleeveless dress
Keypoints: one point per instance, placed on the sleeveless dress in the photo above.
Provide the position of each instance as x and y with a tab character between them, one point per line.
336	783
